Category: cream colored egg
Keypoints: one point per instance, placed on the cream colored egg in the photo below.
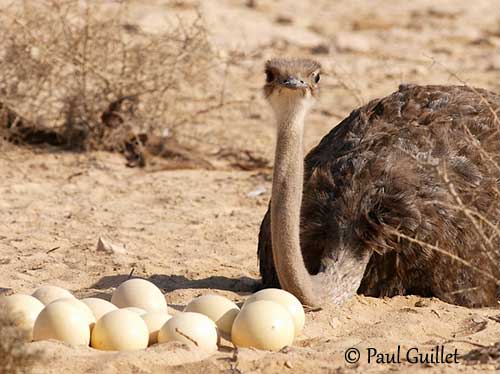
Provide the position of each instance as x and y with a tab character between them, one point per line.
62	320
99	307
219	309
82	307
263	324
141	294
120	330
287	300
138	311
48	294
155	321
24	309
192	329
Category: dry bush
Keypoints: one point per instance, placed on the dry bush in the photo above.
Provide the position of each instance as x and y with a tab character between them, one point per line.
15	355
73	78
486	224
483	221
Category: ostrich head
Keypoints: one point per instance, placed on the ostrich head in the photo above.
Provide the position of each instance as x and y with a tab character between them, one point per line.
291	85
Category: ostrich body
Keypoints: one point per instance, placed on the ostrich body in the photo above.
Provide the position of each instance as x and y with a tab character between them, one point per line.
382	205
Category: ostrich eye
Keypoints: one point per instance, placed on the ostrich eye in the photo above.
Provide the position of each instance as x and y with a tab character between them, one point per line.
269	76
316	78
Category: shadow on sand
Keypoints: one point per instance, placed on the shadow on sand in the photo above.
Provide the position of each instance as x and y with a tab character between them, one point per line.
168	283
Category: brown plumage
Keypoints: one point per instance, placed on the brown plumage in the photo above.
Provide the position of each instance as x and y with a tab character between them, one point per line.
418	166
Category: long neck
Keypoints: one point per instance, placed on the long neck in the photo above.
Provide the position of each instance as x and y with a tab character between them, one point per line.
286	202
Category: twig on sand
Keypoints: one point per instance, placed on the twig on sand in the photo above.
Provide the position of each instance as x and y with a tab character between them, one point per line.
52	250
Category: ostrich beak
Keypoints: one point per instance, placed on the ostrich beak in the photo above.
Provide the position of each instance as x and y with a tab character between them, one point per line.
293	83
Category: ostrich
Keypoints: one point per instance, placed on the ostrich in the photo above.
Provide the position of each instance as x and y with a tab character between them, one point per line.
402	197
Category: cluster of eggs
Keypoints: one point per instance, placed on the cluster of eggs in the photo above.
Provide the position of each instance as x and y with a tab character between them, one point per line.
137	317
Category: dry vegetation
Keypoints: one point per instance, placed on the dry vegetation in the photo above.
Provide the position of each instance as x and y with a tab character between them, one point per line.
73	80
16	357
485	223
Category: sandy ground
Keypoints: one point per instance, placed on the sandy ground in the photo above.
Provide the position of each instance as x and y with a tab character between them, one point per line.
193	232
